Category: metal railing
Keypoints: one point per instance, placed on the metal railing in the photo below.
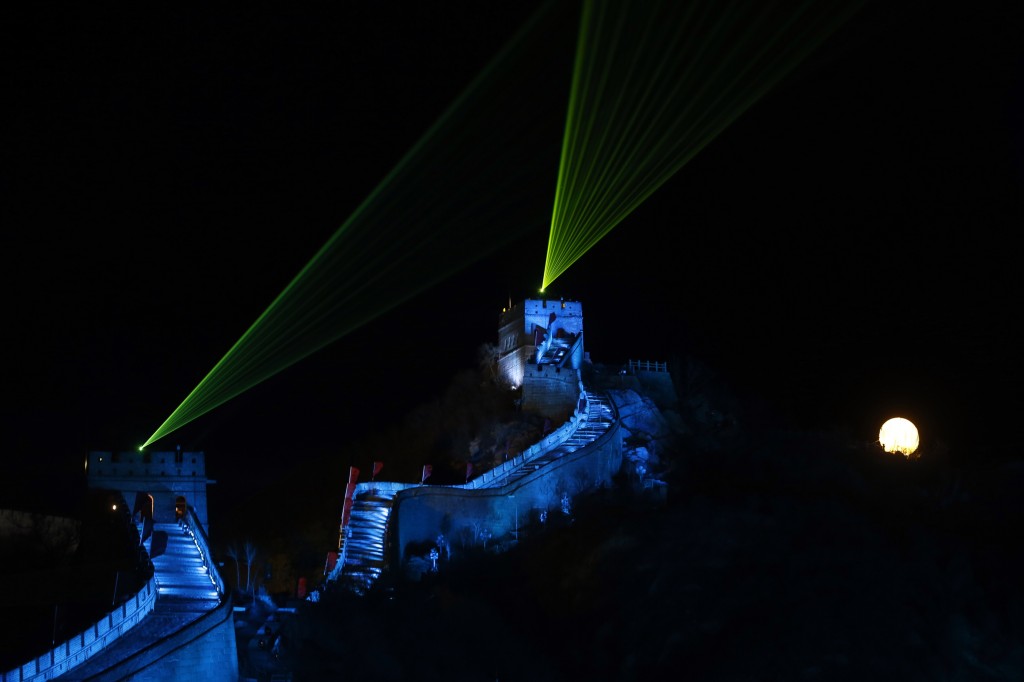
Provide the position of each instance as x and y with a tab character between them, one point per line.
646	366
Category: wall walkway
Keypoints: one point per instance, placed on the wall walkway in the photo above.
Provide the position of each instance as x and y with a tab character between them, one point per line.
179	626
582	453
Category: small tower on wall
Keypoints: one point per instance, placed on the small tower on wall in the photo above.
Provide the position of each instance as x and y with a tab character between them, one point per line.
175	480
540	349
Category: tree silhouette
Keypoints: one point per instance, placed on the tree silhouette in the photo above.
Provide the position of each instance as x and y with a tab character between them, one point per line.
250	557
232	552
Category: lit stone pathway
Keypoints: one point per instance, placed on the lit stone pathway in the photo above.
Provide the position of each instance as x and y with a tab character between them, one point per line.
185	591
361	555
600	419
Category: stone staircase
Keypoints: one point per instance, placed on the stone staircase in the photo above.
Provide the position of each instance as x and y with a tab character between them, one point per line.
600	419
361	554
185	591
361	557
183	581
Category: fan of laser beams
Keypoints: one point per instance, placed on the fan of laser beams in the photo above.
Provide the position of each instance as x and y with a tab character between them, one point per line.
462	192
653	84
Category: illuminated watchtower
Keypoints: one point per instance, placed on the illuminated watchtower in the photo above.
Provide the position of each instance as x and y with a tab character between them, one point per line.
175	479
540	348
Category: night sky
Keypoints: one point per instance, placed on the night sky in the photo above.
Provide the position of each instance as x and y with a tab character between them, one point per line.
846	250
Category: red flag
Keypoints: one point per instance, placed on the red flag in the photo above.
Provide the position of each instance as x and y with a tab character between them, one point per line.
377	466
469	470
346	511
427	470
350	493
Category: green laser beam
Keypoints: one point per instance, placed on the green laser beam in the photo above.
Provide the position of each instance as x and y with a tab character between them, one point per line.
653	84
456	196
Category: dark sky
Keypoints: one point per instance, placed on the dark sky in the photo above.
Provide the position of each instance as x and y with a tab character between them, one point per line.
846	249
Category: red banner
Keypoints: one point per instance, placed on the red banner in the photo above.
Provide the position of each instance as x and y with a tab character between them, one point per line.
350	491
427	470
377	466
346	511
469	470
347	506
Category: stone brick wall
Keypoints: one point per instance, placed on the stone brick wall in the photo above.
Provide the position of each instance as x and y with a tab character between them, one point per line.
550	391
164	475
421	513
204	651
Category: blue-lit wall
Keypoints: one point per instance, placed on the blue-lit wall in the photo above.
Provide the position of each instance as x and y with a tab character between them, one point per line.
421	513
568	315
515	345
202	651
551	391
164	475
516	333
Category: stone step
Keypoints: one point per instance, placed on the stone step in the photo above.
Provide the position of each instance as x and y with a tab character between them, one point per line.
183	581
190	593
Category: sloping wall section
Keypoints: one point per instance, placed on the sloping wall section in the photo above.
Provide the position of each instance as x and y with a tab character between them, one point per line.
494	514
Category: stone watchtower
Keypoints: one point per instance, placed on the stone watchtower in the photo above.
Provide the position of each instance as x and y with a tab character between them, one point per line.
176	480
540	348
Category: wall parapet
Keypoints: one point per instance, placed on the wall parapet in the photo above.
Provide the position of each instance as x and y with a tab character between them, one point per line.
79	648
198	533
560	435
391	487
82	646
467	516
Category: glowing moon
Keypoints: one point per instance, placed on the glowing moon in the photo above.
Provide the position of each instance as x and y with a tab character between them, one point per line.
899	435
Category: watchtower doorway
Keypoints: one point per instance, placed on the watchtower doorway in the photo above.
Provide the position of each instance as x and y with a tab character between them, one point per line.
180	507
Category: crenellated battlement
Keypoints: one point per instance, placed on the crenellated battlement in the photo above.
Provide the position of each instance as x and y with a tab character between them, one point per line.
175	479
536	333
172	463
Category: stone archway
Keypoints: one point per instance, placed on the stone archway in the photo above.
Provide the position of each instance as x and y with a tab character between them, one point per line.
144	507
